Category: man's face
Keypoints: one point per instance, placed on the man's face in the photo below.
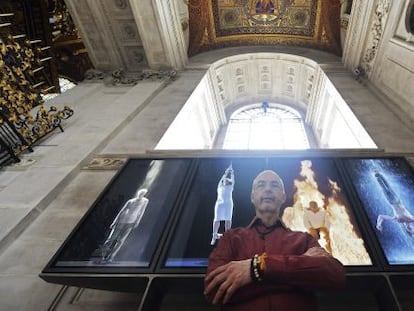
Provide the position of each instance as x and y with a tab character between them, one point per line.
313	206
268	194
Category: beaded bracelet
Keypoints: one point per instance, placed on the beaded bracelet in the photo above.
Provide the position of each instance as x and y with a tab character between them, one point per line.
257	267
252	274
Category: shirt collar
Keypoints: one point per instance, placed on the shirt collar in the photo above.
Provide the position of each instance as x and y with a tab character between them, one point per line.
257	222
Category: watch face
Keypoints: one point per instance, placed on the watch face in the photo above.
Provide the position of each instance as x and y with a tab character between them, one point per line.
409	21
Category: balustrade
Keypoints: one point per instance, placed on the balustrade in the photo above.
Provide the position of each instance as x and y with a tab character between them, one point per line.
24	117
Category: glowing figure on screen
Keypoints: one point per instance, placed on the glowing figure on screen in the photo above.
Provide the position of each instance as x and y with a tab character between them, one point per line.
127	219
401	214
317	223
223	209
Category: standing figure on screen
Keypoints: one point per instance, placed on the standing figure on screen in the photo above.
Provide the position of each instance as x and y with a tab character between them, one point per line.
401	214
223	209
127	219
316	222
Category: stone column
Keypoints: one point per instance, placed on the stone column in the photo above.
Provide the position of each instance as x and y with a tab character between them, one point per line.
96	36
109	32
159	26
358	30
131	34
374	40
172	33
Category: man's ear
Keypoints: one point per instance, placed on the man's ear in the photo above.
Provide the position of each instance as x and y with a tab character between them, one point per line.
251	196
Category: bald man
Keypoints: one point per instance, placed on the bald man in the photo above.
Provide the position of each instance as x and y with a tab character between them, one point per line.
266	266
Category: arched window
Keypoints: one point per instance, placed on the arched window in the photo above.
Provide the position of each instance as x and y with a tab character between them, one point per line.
202	122
266	126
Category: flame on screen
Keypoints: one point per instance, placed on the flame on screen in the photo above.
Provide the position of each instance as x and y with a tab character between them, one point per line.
347	246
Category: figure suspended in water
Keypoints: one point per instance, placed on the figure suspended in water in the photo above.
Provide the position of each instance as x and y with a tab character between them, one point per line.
127	219
223	209
401	214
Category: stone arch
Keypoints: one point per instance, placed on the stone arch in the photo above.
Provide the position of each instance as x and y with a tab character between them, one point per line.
294	80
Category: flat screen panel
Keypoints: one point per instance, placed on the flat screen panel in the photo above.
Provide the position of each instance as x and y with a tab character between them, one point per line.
305	180
385	187
124	226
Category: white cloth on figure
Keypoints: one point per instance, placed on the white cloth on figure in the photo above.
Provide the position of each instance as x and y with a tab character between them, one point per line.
316	220
223	210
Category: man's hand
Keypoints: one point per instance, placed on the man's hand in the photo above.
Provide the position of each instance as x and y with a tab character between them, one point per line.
316	251
227	279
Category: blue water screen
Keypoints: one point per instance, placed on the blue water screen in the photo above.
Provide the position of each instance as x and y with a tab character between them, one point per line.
385	187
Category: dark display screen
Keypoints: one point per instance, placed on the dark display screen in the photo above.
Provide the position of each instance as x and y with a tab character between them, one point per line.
124	226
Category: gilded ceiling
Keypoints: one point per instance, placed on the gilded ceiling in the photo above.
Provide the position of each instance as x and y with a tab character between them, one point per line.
224	23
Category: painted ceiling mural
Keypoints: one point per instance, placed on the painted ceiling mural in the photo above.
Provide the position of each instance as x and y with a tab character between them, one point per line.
225	23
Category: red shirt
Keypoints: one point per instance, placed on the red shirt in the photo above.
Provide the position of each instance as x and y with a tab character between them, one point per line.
289	278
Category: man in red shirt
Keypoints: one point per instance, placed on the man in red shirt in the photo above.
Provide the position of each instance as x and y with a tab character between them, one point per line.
266	266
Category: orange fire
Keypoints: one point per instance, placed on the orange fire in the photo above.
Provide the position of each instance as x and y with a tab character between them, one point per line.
347	246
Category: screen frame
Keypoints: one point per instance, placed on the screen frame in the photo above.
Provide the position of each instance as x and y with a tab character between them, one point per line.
159	256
